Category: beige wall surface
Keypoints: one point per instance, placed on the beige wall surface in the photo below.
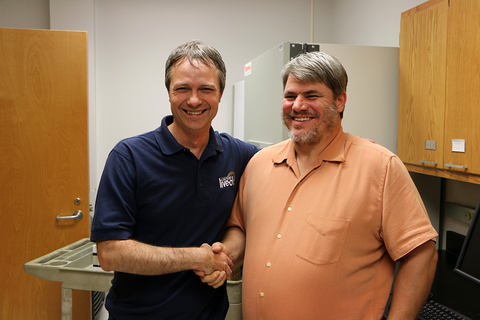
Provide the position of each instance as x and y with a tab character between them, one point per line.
130	40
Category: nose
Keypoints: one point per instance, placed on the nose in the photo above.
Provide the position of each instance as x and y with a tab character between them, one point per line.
194	100
299	104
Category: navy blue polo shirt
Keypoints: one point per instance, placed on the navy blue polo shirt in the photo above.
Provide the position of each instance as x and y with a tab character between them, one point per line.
156	191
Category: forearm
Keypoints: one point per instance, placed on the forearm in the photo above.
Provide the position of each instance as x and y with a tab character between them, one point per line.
138	258
234	241
413	282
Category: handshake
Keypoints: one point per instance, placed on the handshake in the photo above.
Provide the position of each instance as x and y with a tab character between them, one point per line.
218	265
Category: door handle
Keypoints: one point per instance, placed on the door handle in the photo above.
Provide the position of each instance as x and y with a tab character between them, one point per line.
77	216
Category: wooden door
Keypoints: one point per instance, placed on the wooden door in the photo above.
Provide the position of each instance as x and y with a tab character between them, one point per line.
43	163
423	39
462	117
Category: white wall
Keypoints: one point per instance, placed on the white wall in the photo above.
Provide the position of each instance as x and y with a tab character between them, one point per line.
134	38
369	22
129	42
33	14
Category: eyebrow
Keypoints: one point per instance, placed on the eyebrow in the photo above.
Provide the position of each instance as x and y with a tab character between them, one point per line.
186	84
209	85
305	93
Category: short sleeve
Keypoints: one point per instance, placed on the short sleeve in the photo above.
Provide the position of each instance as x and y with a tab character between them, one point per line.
115	208
405	222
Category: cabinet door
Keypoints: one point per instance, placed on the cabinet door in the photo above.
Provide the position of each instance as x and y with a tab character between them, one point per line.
462	115
43	164
423	40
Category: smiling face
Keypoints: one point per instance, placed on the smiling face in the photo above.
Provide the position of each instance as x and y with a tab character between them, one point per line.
309	111
194	95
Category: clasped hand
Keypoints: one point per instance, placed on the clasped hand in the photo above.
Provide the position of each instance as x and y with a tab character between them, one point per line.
222	266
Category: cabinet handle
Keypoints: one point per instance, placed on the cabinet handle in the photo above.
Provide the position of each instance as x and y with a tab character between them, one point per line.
455	166
427	162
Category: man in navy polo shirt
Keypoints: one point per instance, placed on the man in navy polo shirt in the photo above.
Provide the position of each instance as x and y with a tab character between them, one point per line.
165	195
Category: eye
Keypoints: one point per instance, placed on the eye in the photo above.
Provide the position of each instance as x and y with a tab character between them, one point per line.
181	89
208	89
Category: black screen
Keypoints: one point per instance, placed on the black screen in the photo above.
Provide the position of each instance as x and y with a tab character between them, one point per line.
468	264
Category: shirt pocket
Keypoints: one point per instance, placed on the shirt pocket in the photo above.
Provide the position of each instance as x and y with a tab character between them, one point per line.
322	240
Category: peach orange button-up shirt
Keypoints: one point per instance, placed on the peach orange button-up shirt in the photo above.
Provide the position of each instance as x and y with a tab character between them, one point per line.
323	245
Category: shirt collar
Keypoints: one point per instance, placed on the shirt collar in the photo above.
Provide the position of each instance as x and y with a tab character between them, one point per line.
334	152
169	145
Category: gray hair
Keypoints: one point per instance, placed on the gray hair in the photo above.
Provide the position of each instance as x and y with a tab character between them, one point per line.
318	67
196	50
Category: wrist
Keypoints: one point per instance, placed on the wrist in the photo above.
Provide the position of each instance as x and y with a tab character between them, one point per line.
198	258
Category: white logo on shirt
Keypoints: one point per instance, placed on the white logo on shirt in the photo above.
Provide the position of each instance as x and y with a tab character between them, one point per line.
228	181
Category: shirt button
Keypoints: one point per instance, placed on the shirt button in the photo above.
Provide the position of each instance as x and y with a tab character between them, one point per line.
201	185
289	209
268	264
262	294
279	236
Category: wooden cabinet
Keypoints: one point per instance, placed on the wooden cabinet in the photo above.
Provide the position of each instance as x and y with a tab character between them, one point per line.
423	48
462	113
440	89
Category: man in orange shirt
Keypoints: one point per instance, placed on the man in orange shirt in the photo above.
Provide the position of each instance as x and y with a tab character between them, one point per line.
321	219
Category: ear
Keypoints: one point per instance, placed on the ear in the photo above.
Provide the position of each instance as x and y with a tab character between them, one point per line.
341	101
